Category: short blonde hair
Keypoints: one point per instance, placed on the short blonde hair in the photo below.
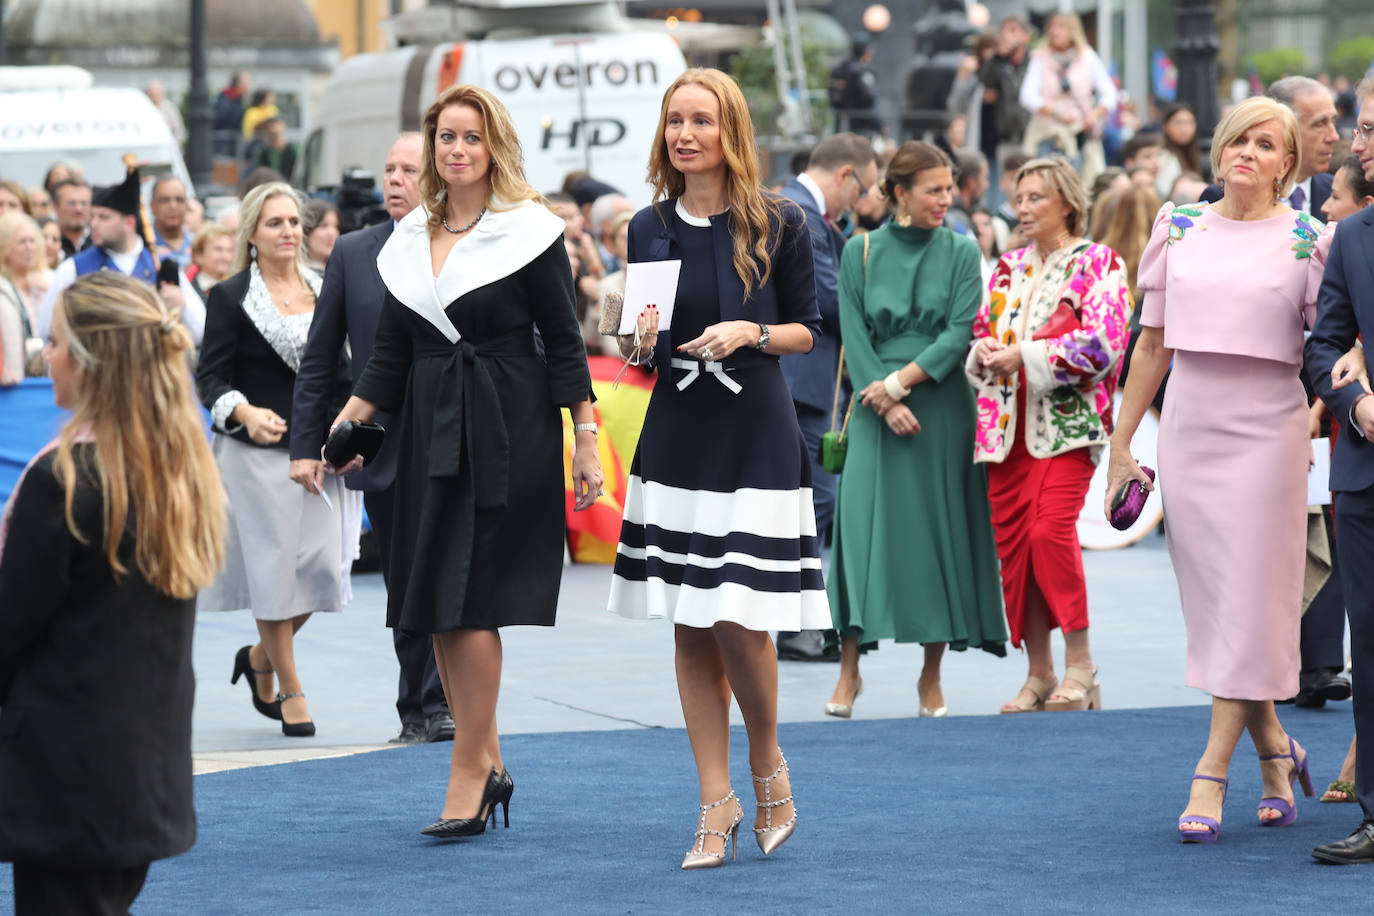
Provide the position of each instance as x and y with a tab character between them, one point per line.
250	211
11	224
207	234
1061	178
1251	113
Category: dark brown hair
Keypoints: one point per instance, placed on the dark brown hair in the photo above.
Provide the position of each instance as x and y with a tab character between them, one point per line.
910	160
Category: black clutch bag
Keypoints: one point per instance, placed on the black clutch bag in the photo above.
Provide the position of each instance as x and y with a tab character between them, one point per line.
352	438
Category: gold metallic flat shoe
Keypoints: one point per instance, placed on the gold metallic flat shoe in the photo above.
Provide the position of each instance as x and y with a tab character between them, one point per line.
844	710
769	837
697	856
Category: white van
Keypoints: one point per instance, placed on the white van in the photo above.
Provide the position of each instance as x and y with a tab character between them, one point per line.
588	101
94	128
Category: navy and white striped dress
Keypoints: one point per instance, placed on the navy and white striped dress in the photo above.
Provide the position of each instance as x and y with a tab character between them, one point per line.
718	523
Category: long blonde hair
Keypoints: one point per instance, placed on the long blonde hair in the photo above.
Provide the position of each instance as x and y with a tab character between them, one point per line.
755	219
1122	221
506	182
133	393
250	211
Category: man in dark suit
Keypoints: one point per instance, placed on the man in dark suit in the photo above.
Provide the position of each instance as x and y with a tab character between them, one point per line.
350	302
839	172
1316	112
1323	626
1345	309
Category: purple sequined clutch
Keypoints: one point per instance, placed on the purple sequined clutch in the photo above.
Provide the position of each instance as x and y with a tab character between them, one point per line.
1130	501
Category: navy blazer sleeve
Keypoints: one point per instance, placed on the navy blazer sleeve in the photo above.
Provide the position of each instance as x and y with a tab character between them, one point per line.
794	272
1334	333
317	377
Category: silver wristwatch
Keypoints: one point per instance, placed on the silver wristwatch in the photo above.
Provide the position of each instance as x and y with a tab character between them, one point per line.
763	336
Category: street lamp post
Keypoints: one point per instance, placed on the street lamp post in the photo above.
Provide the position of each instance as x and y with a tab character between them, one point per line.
198	120
1195	54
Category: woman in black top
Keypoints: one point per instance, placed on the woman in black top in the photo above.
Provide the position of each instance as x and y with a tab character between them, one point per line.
107	537
289	549
471	274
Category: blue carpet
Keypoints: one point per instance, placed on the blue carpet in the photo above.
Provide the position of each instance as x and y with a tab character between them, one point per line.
1051	813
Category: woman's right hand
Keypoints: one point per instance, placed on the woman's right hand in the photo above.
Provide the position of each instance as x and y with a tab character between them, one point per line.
1122	468
309	473
263	425
10	377
647	325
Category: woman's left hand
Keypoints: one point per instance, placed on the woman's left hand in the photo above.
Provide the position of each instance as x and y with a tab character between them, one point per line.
720	340
586	473
1004	362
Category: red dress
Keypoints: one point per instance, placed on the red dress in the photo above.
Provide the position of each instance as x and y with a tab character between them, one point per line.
1035	508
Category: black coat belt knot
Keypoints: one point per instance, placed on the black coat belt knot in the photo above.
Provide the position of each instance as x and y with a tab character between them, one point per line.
468	418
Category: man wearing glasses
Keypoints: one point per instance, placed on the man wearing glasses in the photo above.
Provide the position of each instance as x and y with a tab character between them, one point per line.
838	175
1345	311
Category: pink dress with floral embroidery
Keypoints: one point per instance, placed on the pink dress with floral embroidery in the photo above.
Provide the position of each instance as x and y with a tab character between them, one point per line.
1232	297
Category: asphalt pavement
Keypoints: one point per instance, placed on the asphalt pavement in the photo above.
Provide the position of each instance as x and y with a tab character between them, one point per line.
598	671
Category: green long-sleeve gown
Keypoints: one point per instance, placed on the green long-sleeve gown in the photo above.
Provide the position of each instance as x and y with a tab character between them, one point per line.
914	555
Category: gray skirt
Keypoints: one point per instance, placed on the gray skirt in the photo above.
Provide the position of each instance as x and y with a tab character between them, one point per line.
287	551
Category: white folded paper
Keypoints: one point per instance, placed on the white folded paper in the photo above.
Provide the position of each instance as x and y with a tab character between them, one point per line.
649	283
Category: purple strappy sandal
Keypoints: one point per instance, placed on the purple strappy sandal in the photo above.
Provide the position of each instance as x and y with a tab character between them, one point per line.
1213	825
1288	813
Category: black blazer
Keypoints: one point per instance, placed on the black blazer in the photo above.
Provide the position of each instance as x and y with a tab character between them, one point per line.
350	302
235	356
1345	308
96	687
1321	190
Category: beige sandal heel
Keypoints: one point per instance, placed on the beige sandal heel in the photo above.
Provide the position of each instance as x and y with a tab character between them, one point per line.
1072	698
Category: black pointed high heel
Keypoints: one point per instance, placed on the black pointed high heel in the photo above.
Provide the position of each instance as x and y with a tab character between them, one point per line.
243	666
304	729
498	789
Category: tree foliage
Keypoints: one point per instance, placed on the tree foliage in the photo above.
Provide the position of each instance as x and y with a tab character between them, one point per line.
1351	58
1276	63
753	69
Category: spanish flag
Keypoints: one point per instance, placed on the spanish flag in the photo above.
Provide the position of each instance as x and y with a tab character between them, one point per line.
593	534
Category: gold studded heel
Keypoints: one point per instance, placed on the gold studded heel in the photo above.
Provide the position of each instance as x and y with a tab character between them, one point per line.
768	836
698	857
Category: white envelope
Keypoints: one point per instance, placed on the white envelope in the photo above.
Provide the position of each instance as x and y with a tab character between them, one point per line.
1319	475
649	283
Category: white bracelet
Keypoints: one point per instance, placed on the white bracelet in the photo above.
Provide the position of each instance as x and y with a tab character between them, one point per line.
584	428
894	388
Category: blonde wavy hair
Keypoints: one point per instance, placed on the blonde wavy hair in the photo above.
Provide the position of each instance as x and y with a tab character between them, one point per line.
755	219
1252	113
11	225
133	393
1077	36
250	211
507	186
1122	221
1062	178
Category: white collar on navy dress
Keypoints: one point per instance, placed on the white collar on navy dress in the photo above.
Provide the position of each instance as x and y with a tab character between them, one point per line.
502	242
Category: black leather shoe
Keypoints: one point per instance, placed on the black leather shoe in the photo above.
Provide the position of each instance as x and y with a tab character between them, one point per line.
439	727
493	793
411	733
1316	688
241	667
1356	849
806	646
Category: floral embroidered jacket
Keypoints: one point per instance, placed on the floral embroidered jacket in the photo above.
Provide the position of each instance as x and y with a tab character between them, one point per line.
1078	295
